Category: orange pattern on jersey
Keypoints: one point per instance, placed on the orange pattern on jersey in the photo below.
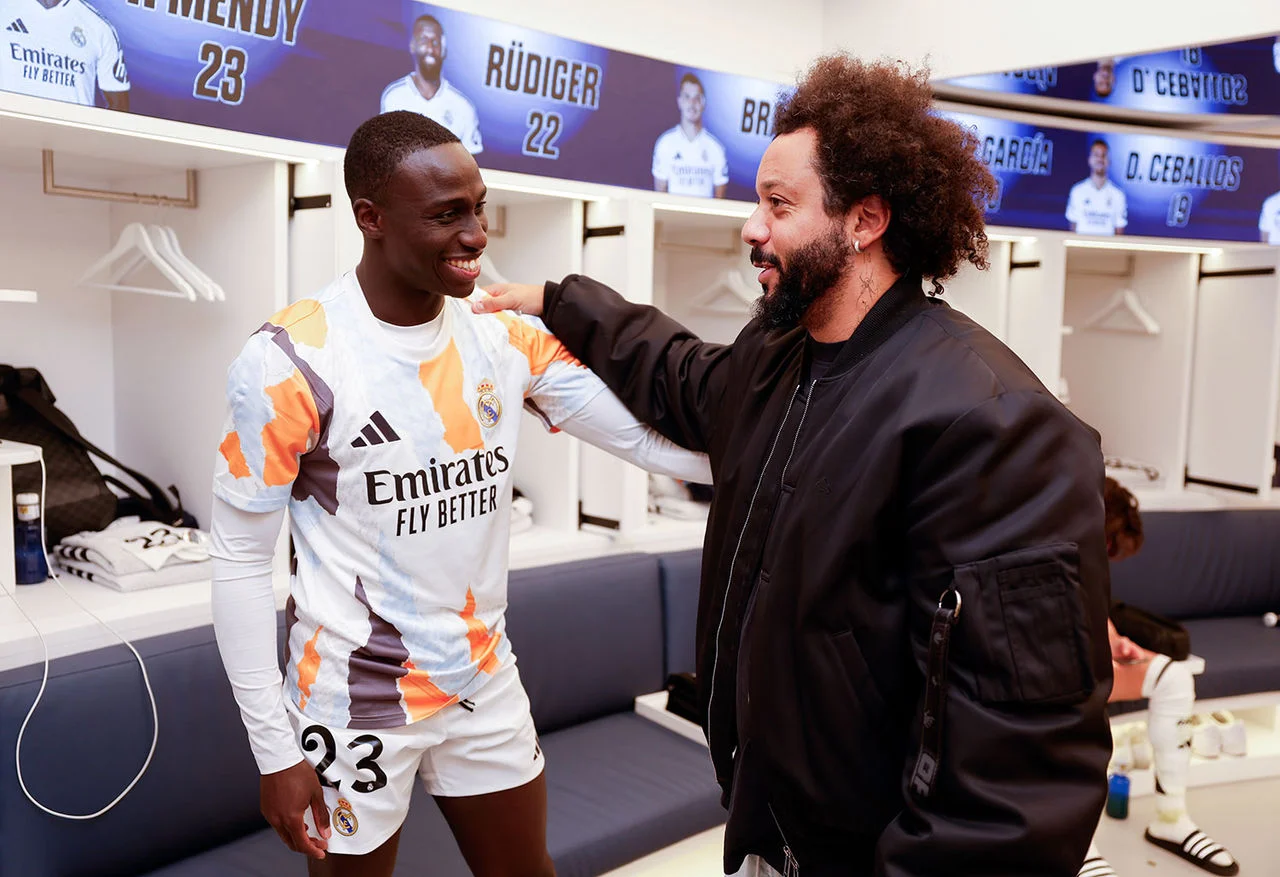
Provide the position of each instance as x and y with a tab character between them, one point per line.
234	455
308	668
484	645
442	378
288	435
540	348
304	321
422	697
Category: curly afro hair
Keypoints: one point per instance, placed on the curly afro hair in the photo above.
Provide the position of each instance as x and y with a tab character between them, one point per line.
1123	522
379	145
877	135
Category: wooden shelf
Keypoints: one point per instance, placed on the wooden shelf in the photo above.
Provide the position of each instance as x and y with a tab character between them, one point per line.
69	630
664	534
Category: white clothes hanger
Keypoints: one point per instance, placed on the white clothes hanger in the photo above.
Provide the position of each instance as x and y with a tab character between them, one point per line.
166	242
172	249
135	239
1124	302
729	294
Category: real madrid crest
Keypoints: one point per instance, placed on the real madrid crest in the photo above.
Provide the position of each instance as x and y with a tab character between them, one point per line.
344	821
77	37
488	405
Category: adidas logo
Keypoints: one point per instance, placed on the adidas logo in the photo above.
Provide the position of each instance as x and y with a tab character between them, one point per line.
18	26
376	432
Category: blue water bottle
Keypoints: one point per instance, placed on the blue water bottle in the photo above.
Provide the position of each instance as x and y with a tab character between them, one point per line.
1118	796
28	550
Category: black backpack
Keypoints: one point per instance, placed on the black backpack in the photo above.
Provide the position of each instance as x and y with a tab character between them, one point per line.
77	496
1152	631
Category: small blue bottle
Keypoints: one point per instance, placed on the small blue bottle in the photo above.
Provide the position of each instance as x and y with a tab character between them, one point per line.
1118	796
28	552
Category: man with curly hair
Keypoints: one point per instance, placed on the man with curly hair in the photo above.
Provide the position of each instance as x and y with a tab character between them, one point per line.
902	632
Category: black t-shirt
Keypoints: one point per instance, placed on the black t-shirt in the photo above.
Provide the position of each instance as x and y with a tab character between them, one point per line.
818	357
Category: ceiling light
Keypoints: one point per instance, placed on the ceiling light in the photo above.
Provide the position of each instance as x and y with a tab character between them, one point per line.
292	158
743	211
546	191
1143	248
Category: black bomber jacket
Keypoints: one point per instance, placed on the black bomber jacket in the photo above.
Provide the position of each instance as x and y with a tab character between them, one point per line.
927	466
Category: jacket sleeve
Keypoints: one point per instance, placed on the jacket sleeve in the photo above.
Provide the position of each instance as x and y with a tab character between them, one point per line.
667	376
1006	508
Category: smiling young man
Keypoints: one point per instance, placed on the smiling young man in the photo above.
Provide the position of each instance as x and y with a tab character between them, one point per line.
902	629
384	416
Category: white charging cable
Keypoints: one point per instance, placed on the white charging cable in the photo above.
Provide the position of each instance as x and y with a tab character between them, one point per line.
155	718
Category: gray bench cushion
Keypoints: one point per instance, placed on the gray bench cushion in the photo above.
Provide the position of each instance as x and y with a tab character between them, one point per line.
588	636
622	787
589	639
681	578
1204	564
619	788
88	739
1241	656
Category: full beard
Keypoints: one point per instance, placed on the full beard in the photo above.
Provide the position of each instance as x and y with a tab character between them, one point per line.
814	271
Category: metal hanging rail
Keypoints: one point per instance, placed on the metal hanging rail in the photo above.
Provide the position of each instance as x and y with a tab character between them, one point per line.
51	187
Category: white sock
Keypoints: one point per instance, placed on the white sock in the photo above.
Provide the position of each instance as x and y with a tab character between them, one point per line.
1170	689
1173	824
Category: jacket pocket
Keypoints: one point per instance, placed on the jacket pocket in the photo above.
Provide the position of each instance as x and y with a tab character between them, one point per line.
858	675
1026	639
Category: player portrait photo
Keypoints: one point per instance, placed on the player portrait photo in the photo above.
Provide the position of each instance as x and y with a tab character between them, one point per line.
427	92
62	50
1269	221
688	159
1096	205
1104	77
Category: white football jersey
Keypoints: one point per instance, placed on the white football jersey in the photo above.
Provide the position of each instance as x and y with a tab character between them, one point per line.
1269	219
1097	211
65	53
690	167
449	107
396	468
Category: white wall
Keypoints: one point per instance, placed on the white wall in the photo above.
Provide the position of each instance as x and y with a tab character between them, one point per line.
690	257
991	35
983	295
172	354
749	37
46	242
542	239
1233	381
1236	374
1035	307
1133	388
319	237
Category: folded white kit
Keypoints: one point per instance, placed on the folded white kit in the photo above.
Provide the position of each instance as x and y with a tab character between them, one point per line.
132	555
